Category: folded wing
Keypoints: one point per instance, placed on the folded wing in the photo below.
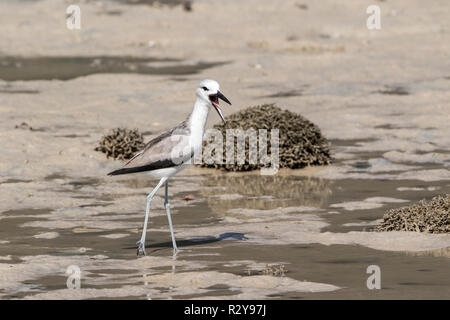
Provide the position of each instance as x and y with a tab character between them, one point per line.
169	149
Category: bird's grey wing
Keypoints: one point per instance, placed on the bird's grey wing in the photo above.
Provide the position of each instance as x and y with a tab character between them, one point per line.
165	151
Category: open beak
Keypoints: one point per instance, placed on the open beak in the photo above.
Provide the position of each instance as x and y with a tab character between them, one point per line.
215	102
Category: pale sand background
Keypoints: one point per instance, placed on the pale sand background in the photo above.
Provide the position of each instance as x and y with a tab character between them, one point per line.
58	208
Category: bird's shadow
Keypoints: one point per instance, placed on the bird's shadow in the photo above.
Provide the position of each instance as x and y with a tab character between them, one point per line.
196	241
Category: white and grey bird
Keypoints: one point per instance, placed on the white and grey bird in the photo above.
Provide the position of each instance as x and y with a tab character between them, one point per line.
174	150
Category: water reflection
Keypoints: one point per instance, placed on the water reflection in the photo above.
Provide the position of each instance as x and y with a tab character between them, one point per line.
443	252
225	192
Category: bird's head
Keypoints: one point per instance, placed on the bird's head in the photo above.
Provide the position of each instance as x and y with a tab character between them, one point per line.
208	90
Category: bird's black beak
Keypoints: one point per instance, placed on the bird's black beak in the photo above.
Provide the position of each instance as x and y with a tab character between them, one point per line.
215	102
221	96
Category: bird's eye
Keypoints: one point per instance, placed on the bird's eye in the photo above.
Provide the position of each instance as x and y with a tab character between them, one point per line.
205	88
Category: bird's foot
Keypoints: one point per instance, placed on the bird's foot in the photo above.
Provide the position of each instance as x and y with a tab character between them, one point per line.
141	248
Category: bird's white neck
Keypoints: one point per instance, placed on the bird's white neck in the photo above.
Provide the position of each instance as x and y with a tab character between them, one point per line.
198	118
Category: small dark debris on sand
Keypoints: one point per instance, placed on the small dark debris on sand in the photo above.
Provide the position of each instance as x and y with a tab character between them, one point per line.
188	197
23	125
400	91
187	5
301	142
274	270
301	6
278	270
425	216
26	126
121	143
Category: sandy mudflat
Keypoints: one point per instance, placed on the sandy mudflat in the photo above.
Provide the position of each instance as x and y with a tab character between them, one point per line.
381	97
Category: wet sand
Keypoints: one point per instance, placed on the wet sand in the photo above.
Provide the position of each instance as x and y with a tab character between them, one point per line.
66	68
227	238
378	96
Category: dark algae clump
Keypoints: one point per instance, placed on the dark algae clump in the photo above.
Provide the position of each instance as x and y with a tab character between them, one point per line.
425	216
301	143
121	143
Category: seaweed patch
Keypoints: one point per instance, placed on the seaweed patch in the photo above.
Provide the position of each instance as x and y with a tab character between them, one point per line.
121	143
425	216
301	142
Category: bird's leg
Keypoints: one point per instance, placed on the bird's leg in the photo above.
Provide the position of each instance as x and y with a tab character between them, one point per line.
141	243
166	204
